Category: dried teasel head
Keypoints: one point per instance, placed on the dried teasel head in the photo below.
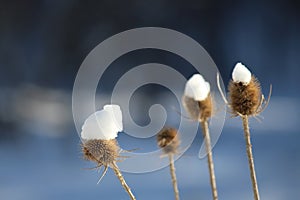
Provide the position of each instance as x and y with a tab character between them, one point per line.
168	140
198	110
245	92
103	152
98	136
197	99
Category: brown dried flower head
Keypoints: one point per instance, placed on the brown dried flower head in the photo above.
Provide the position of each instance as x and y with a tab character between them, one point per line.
245	99
168	140
244	92
103	152
198	110
197	99
98	135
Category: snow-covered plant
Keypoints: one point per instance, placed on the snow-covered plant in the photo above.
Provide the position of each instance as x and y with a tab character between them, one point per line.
99	143
197	101
246	99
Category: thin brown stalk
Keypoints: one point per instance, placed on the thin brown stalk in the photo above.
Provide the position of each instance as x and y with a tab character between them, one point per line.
206	135
250	156
122	180
173	175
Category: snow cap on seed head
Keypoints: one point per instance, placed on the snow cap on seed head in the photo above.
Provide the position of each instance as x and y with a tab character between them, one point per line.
241	74
103	124
197	88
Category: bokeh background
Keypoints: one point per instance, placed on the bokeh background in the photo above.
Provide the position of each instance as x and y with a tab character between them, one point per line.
42	44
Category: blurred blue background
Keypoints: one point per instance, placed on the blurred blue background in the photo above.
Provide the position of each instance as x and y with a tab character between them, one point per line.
42	44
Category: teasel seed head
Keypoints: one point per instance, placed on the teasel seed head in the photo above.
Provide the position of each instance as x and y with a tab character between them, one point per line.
197	99
103	152
98	135
245	97
168	140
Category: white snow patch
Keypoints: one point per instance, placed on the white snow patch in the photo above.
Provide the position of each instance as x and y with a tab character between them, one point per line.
241	74
104	124
197	88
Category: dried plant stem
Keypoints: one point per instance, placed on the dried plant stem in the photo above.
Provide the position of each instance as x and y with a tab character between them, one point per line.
173	175
122	180
206	135
250	156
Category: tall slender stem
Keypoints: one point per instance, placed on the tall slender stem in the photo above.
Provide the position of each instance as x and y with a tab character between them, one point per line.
210	161
173	175
122	180
250	156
